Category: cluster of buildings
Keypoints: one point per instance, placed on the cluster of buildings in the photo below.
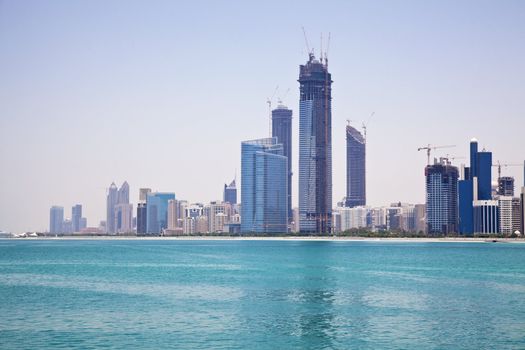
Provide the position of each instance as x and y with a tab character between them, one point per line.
467	202
160	213
60	225
458	201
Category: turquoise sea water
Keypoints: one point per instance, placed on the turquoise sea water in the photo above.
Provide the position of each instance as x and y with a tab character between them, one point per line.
138	294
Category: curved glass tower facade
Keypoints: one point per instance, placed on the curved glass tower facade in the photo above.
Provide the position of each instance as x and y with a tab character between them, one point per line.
315	148
264	192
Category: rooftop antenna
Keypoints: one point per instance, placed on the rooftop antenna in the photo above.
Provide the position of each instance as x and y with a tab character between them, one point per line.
269	102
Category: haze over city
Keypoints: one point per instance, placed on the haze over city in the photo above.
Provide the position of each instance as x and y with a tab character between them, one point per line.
161	94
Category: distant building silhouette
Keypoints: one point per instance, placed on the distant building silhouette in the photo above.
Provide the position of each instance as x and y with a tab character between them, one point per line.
111	202
117	196
76	216
56	218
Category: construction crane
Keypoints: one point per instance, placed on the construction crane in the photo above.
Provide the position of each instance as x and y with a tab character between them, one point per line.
448	157
429	147
281	98
365	125
499	165
269	102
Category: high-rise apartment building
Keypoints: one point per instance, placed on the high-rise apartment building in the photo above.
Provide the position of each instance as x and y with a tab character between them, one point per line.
264	193
56	218
442	197
76	216
282	130
315	147
355	168
505	215
218	213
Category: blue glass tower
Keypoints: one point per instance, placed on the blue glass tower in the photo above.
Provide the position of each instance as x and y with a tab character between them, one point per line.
477	185
157	211
264	192
315	147
484	174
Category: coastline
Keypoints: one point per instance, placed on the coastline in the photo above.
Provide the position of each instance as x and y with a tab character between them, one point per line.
285	238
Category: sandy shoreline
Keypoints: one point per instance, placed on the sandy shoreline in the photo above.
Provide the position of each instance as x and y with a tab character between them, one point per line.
290	238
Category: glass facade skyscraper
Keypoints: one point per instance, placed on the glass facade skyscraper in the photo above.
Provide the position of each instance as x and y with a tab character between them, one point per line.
355	168
315	147
76	216
282	130
157	211
264	193
475	186
56	218
442	198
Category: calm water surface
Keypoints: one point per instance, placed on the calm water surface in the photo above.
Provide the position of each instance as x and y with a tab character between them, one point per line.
261	295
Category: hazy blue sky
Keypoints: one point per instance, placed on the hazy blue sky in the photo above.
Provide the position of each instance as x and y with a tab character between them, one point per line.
161	93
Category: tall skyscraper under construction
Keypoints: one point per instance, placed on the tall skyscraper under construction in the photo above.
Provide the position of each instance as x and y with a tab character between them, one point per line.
282	130
315	147
355	168
442	197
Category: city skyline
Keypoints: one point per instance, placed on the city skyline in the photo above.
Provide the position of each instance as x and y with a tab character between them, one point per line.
63	122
